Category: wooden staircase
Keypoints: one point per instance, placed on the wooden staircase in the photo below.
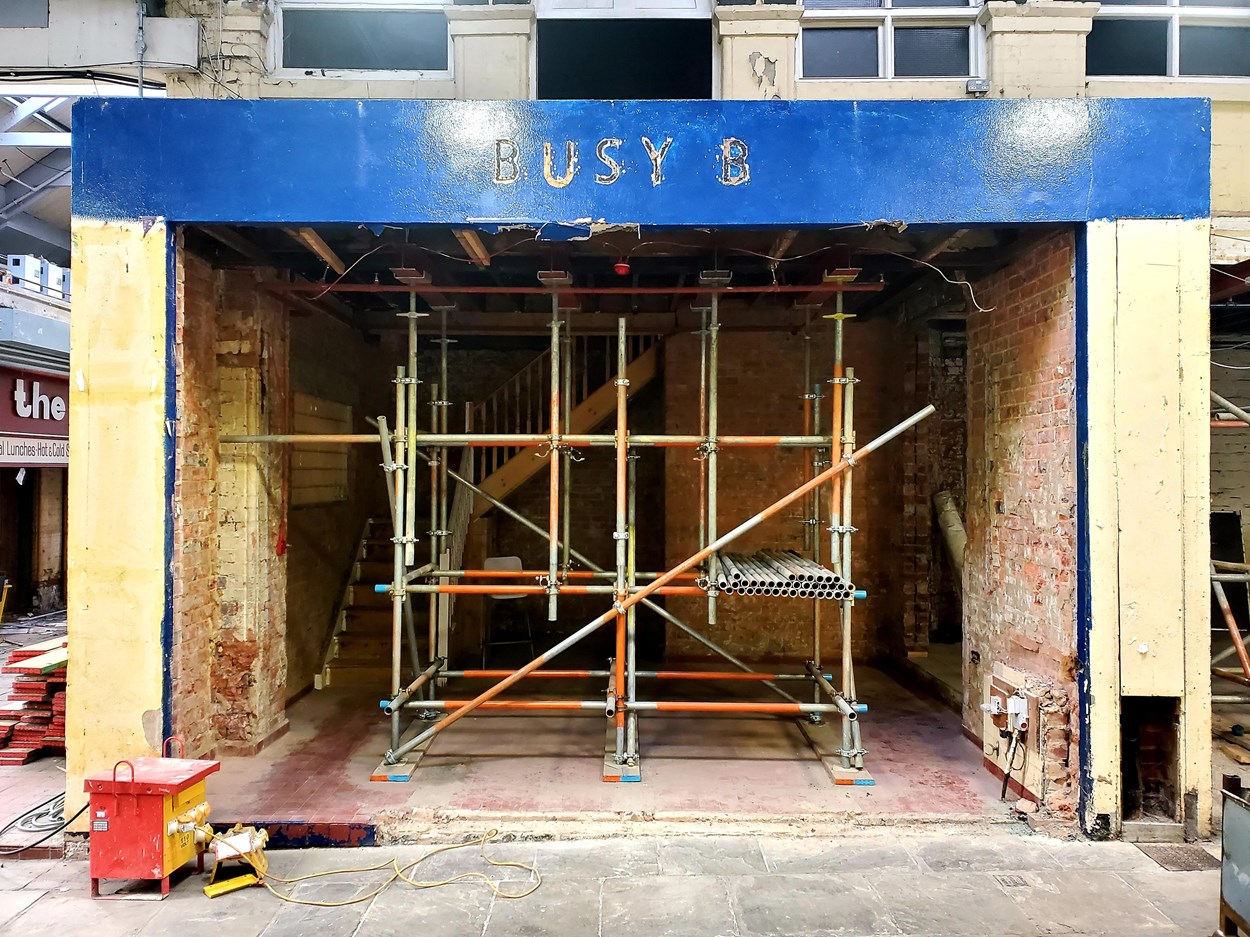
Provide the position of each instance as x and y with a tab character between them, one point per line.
522	405
359	653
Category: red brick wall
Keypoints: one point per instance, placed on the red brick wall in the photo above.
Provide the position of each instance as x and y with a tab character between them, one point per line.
1019	595
760	393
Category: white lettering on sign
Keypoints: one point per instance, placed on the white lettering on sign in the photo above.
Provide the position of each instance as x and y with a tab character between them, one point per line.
36	406
558	173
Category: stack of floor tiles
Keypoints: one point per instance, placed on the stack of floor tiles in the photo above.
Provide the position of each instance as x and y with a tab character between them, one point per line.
32	717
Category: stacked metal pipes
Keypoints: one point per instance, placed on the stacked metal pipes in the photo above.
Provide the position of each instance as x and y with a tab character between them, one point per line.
772	572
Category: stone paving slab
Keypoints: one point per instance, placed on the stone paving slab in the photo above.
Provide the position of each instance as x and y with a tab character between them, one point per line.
862	885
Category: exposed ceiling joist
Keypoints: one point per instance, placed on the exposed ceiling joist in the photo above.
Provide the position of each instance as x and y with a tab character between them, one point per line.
471	241
313	241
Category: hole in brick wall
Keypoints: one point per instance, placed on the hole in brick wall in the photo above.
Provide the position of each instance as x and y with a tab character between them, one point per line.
1149	739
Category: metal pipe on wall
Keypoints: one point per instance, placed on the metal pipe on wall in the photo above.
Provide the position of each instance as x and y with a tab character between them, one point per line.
694	560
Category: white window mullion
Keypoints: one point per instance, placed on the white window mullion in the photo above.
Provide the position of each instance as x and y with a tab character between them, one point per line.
885	47
1174	44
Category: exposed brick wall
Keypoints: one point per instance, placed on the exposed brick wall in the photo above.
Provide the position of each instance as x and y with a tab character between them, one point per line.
195	505
760	393
253	392
1019	582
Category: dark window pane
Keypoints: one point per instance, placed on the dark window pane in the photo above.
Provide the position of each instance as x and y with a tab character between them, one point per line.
364	40
24	13
840	53
1215	3
1127	47
930	3
1215	50
1136	3
840	4
931	52
582	58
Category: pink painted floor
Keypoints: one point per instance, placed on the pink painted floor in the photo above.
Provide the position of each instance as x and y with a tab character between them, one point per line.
550	765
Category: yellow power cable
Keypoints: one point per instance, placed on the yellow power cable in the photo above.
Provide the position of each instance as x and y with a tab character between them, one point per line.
260	862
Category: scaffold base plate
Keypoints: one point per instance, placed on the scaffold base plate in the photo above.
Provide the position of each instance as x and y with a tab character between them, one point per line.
611	770
826	739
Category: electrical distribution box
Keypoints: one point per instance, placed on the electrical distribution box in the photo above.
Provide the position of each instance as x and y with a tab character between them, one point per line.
144	815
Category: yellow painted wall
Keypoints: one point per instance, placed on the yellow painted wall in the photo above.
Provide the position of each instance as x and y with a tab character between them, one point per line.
117	516
1148	458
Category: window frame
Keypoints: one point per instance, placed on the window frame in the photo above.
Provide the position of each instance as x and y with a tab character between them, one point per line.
621	9
1175	15
278	70
887	19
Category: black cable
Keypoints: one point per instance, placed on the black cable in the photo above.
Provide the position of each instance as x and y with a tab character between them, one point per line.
46	836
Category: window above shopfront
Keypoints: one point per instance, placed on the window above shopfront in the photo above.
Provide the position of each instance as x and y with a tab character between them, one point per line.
333	38
851	39
1170	39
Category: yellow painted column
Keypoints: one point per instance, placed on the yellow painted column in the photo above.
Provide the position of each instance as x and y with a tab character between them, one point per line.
118	511
1148	496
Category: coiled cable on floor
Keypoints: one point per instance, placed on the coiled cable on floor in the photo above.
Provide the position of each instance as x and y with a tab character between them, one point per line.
260	863
47	818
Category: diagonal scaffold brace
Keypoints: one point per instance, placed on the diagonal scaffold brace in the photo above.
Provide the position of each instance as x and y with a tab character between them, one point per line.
622	605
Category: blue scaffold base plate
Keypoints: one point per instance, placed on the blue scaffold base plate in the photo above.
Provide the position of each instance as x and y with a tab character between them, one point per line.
611	770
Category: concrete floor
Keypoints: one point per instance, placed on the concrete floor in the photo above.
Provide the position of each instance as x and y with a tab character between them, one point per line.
539	768
997	883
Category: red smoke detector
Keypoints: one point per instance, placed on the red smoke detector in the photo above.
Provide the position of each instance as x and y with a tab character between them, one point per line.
622	268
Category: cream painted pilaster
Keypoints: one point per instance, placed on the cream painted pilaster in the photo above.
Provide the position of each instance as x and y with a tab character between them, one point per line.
118	497
1148	497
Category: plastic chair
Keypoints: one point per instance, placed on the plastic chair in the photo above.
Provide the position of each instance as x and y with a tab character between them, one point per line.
489	639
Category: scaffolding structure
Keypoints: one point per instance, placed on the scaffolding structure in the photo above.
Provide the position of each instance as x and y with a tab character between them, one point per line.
406	450
1223	571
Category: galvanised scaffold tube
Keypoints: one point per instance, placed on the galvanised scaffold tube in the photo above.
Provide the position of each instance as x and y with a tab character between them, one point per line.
582	558
435	561
392	464
553	486
621	534
536	440
409	386
410	628
391	706
690	562
850	729
775	709
713	428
